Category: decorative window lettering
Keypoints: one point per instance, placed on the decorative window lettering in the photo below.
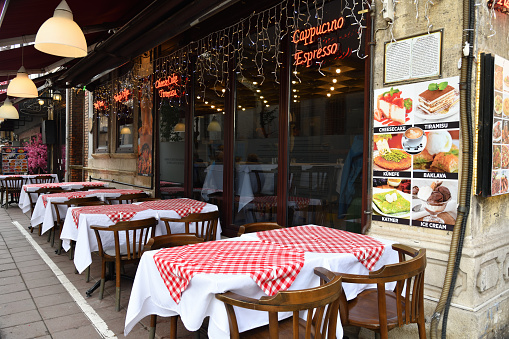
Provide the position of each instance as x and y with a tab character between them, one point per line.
172	87
307	36
99	105
122	96
499	5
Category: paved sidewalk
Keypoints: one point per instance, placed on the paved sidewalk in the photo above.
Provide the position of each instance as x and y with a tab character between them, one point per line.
42	297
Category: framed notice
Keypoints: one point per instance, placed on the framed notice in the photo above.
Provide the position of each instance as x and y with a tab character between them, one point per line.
416	153
413	58
14	160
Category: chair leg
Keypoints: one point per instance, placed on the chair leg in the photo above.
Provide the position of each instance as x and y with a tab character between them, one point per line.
87	279
117	284
173	327
152	327
103	279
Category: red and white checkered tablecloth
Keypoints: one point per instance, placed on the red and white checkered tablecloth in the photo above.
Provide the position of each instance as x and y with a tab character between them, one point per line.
273	268
268	201
114	190
183	207
47	185
89	183
311	238
116	213
68	195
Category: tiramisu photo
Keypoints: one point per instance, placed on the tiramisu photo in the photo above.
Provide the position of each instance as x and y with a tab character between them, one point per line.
439	101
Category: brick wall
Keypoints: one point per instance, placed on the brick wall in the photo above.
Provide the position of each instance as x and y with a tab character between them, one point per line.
76	135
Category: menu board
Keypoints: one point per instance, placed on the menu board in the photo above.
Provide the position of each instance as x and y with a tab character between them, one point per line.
14	160
500	134
415	154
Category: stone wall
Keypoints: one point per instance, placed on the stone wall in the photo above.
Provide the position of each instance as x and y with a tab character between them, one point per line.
480	306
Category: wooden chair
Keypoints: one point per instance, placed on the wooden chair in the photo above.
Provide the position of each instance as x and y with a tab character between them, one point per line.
42	179
321	302
380	310
205	224
136	234
127	198
13	186
34	196
164	241
258	227
59	223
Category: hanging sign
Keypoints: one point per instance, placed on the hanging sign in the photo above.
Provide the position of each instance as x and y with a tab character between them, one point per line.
309	35
168	87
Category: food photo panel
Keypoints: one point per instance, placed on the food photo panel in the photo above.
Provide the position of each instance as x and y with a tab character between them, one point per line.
434	203
389	157
392	109
392	200
440	158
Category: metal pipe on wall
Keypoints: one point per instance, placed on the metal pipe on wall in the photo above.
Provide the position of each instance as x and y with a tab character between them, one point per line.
67	131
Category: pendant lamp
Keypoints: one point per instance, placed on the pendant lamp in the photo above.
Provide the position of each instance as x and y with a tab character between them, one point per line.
125	130
180	127
214	126
22	86
8	111
60	35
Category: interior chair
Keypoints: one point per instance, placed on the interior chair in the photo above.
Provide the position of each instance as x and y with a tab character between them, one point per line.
380	310
135	234
13	186
205	224
258	227
260	208
42	179
321	302
164	241
126	198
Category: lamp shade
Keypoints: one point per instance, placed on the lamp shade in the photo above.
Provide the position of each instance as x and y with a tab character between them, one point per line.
125	130
22	86
214	126
60	35
180	127
8	111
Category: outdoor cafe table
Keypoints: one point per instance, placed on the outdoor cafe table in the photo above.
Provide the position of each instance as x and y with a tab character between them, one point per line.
28	176
177	208
44	213
24	199
150	294
79	219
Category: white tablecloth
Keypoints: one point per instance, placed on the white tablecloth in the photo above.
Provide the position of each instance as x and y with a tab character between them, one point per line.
86	242
149	294
24	200
27	176
46	215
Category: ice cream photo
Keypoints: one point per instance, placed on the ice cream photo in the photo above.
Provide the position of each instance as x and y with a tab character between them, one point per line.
434	201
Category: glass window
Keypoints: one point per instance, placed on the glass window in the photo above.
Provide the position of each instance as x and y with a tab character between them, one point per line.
326	128
256	139
101	118
208	141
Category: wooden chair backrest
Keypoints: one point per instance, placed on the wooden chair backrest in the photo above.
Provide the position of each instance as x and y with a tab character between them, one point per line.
127	198
85	201
172	240
267	175
42	179
137	233
258	227
206	224
321	302
33	196
13	187
409	290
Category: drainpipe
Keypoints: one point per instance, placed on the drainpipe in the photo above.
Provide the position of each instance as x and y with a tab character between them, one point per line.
67	131
465	188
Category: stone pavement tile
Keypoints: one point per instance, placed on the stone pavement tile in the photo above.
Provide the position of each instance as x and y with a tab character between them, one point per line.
9	273
33	268
4	261
11	280
42	281
35	262
39	275
47	290
44	337
66	322
6	267
10	297
15	319
33	330
9	289
58	311
50	300
88	332
17	307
